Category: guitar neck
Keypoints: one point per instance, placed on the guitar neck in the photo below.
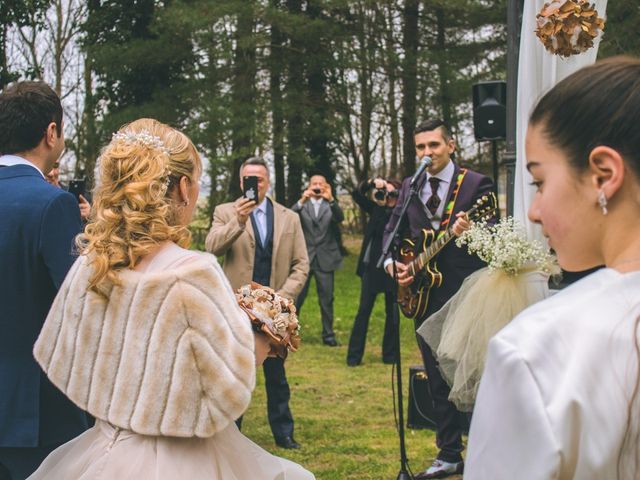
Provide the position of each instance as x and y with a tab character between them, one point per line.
421	260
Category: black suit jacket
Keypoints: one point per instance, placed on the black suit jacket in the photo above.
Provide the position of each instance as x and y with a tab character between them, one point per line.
453	262
373	233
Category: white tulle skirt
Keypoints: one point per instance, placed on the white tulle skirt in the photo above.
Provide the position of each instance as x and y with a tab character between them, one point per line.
107	453
459	332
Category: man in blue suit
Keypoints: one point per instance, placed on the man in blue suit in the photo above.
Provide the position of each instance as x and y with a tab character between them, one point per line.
38	223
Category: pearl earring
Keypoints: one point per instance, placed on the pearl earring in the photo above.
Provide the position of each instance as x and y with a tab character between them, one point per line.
602	201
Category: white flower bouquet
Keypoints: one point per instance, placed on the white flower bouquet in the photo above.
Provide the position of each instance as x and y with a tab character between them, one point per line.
504	246
516	277
272	315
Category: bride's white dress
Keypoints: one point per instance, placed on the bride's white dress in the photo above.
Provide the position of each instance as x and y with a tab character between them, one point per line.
106	452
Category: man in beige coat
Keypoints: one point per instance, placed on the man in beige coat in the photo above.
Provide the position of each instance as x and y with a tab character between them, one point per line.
263	241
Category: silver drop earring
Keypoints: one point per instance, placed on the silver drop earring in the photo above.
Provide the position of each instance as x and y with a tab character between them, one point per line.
602	201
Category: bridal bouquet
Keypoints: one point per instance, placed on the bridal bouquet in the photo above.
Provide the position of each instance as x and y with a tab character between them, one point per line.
271	314
504	246
516	277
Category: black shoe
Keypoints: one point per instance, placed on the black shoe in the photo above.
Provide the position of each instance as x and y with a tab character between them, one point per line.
353	363
332	342
287	442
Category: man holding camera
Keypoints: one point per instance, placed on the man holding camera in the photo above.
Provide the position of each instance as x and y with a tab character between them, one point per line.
320	215
377	198
262	241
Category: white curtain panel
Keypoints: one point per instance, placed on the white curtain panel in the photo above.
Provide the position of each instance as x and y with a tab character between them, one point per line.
538	71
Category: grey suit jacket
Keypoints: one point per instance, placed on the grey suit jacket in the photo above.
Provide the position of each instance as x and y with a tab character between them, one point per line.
320	233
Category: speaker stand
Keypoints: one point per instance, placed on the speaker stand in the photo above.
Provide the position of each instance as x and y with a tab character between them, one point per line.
494	161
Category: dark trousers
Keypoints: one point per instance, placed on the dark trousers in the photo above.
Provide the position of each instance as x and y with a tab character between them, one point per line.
20	462
357	341
324	287
447	416
278	395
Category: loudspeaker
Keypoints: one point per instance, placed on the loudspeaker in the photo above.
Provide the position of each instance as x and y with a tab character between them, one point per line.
420	413
490	110
420	409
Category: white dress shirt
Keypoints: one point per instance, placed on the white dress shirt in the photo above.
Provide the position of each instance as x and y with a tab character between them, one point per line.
553	399
446	177
260	215
11	160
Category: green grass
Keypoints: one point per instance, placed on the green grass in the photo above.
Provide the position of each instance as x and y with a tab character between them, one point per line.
344	416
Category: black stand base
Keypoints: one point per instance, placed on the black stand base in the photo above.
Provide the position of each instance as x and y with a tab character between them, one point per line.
404	476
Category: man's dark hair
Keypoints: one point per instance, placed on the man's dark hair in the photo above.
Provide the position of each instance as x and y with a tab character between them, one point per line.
432	124
26	110
255	161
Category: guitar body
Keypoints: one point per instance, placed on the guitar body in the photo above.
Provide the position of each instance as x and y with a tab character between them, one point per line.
420	257
414	298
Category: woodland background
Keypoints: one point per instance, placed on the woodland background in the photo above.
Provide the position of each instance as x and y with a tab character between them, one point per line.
330	86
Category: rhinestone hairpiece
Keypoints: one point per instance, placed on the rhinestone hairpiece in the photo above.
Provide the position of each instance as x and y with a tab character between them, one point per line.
143	138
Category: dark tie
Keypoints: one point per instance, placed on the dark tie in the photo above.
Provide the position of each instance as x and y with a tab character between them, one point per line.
434	199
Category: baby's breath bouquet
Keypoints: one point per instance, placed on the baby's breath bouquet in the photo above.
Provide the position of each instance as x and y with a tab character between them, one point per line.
516	277
504	246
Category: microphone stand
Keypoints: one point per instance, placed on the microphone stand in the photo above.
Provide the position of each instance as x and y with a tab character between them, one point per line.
391	246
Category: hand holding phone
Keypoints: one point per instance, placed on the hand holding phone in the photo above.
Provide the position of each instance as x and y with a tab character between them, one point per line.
250	187
77	187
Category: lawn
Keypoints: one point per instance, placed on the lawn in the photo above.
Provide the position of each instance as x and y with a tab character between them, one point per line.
344	417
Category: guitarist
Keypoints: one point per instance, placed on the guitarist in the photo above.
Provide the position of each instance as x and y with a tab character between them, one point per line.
445	192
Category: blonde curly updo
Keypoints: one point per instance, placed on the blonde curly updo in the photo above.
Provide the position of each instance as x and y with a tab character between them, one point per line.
135	199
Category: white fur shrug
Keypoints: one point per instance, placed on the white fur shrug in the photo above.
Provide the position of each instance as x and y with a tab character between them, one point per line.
165	353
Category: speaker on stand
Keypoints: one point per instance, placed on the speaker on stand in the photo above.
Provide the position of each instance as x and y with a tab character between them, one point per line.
490	117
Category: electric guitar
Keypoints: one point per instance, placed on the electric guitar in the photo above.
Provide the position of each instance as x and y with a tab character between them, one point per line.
418	254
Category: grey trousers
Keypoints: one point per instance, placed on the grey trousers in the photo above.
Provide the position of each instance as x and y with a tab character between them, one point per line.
324	287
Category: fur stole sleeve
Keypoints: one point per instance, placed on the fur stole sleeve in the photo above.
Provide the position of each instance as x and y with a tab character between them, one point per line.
165	353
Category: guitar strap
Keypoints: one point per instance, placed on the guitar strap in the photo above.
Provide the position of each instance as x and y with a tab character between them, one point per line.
446	218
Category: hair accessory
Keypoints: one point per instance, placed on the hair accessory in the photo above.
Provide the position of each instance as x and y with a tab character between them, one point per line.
602	201
142	138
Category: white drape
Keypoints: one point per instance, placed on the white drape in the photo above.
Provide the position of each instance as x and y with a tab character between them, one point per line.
538	71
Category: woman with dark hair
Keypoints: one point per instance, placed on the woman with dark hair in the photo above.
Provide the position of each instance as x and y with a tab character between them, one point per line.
559	394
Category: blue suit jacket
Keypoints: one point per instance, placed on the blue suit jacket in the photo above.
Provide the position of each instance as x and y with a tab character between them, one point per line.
38	223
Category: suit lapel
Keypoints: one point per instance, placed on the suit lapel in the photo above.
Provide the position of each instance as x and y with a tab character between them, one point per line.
277	227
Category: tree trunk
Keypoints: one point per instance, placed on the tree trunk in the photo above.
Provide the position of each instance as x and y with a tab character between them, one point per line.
277	116
318	127
243	95
295	102
409	84
443	69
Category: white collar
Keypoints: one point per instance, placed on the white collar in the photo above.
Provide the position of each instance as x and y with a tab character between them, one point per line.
316	201
446	174
11	160
263	206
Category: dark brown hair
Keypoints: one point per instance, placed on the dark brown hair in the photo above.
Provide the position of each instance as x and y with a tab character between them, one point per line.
597	105
433	124
26	110
600	105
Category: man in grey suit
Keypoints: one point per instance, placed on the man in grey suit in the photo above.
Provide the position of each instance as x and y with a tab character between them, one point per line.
320	215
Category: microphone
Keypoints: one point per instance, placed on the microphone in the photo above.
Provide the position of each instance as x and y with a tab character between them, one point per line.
426	161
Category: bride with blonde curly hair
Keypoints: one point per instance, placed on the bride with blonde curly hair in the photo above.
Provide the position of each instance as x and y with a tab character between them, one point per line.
147	336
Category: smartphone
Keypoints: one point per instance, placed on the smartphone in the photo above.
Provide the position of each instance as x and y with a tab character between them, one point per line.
77	187
250	187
